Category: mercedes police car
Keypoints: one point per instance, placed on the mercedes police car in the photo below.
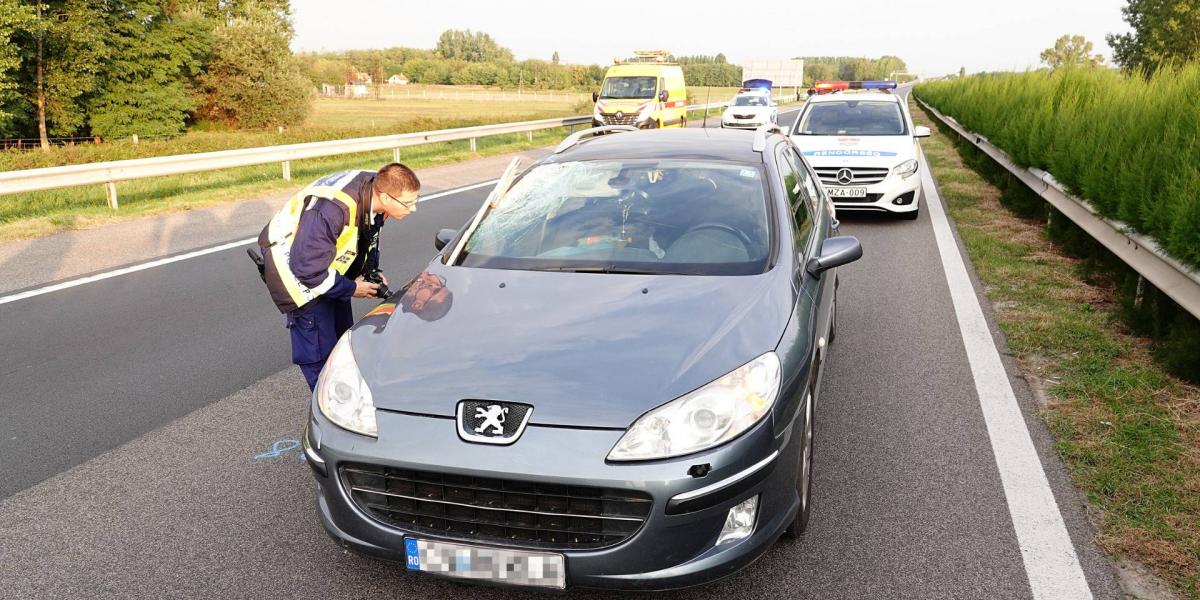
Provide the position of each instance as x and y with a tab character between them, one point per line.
860	139
750	109
607	378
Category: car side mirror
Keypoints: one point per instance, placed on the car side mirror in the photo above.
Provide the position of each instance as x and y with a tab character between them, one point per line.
920	131
595	96
443	237
663	95
835	252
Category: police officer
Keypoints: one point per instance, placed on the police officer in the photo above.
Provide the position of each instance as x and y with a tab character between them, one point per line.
317	248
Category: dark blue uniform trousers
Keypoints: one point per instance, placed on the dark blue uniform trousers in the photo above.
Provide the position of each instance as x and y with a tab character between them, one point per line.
315	328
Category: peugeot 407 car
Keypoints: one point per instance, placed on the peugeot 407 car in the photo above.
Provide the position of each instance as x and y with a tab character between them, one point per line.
607	378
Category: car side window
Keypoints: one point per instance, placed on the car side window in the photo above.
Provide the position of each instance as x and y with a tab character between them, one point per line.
796	183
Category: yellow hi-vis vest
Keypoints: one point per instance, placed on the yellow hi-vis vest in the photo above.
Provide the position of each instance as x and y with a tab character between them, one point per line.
281	232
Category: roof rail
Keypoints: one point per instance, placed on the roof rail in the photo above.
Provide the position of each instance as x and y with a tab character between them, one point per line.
760	135
574	138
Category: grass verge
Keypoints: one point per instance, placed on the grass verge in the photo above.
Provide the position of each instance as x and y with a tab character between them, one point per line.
36	214
1128	431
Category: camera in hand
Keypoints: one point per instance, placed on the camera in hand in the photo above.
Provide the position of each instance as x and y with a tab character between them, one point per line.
376	276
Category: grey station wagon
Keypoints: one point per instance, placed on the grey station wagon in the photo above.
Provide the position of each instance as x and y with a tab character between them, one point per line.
607	378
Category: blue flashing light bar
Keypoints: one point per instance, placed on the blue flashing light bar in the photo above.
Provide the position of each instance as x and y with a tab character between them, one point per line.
878	85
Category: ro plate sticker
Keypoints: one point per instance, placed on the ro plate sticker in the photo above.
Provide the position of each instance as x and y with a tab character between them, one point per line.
412	556
748	173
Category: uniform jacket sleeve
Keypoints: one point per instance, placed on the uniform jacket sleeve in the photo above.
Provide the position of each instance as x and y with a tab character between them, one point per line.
314	248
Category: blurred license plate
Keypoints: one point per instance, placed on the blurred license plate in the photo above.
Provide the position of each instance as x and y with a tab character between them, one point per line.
499	565
845	192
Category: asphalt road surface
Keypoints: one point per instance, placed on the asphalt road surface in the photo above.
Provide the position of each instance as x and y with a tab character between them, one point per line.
148	422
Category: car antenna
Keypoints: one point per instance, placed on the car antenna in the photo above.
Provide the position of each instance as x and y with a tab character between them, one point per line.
704	121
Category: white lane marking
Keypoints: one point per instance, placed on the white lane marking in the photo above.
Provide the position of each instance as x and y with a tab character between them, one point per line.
193	254
1051	565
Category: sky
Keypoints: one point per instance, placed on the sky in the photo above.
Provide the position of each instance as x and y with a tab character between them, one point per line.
934	37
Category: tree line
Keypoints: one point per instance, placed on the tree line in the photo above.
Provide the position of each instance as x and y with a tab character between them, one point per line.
461	57
475	58
115	68
851	68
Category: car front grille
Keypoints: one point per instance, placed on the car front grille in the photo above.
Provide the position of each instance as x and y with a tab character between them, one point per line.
860	175
500	511
624	119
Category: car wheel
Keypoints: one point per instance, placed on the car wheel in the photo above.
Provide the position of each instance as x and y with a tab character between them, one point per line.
804	477
683	122
911	216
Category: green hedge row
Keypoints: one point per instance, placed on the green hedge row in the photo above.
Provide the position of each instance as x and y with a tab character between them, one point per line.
1129	145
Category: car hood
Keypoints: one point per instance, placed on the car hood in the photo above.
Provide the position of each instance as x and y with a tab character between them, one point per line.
848	150
588	350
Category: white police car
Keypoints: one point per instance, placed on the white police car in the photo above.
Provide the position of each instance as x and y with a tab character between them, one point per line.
860	140
750	109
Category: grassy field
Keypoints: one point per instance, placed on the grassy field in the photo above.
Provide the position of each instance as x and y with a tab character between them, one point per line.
346	113
1127	144
1128	431
331	119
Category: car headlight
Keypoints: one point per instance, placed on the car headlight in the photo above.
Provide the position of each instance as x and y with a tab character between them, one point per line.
706	417
646	112
906	168
342	395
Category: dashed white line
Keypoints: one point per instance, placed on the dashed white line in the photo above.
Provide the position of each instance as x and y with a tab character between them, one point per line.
188	255
1051	564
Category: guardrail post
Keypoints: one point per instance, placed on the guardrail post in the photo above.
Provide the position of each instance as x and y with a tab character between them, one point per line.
395	155
530	132
135	140
287	170
472	144
111	189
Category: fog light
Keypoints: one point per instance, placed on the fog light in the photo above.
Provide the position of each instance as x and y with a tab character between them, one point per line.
740	521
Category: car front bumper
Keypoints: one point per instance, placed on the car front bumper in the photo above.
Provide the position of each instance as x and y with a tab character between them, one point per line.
673	548
894	194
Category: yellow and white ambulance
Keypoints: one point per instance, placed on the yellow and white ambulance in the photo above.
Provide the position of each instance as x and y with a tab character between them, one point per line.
646	91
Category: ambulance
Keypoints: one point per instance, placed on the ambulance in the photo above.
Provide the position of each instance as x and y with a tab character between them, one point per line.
646	91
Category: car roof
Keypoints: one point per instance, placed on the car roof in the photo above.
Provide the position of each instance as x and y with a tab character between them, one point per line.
692	143
855	97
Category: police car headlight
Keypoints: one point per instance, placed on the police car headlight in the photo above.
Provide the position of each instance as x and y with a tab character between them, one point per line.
906	168
342	395
706	417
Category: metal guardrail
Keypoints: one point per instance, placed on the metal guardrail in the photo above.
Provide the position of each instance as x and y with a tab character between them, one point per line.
110	172
1142	254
